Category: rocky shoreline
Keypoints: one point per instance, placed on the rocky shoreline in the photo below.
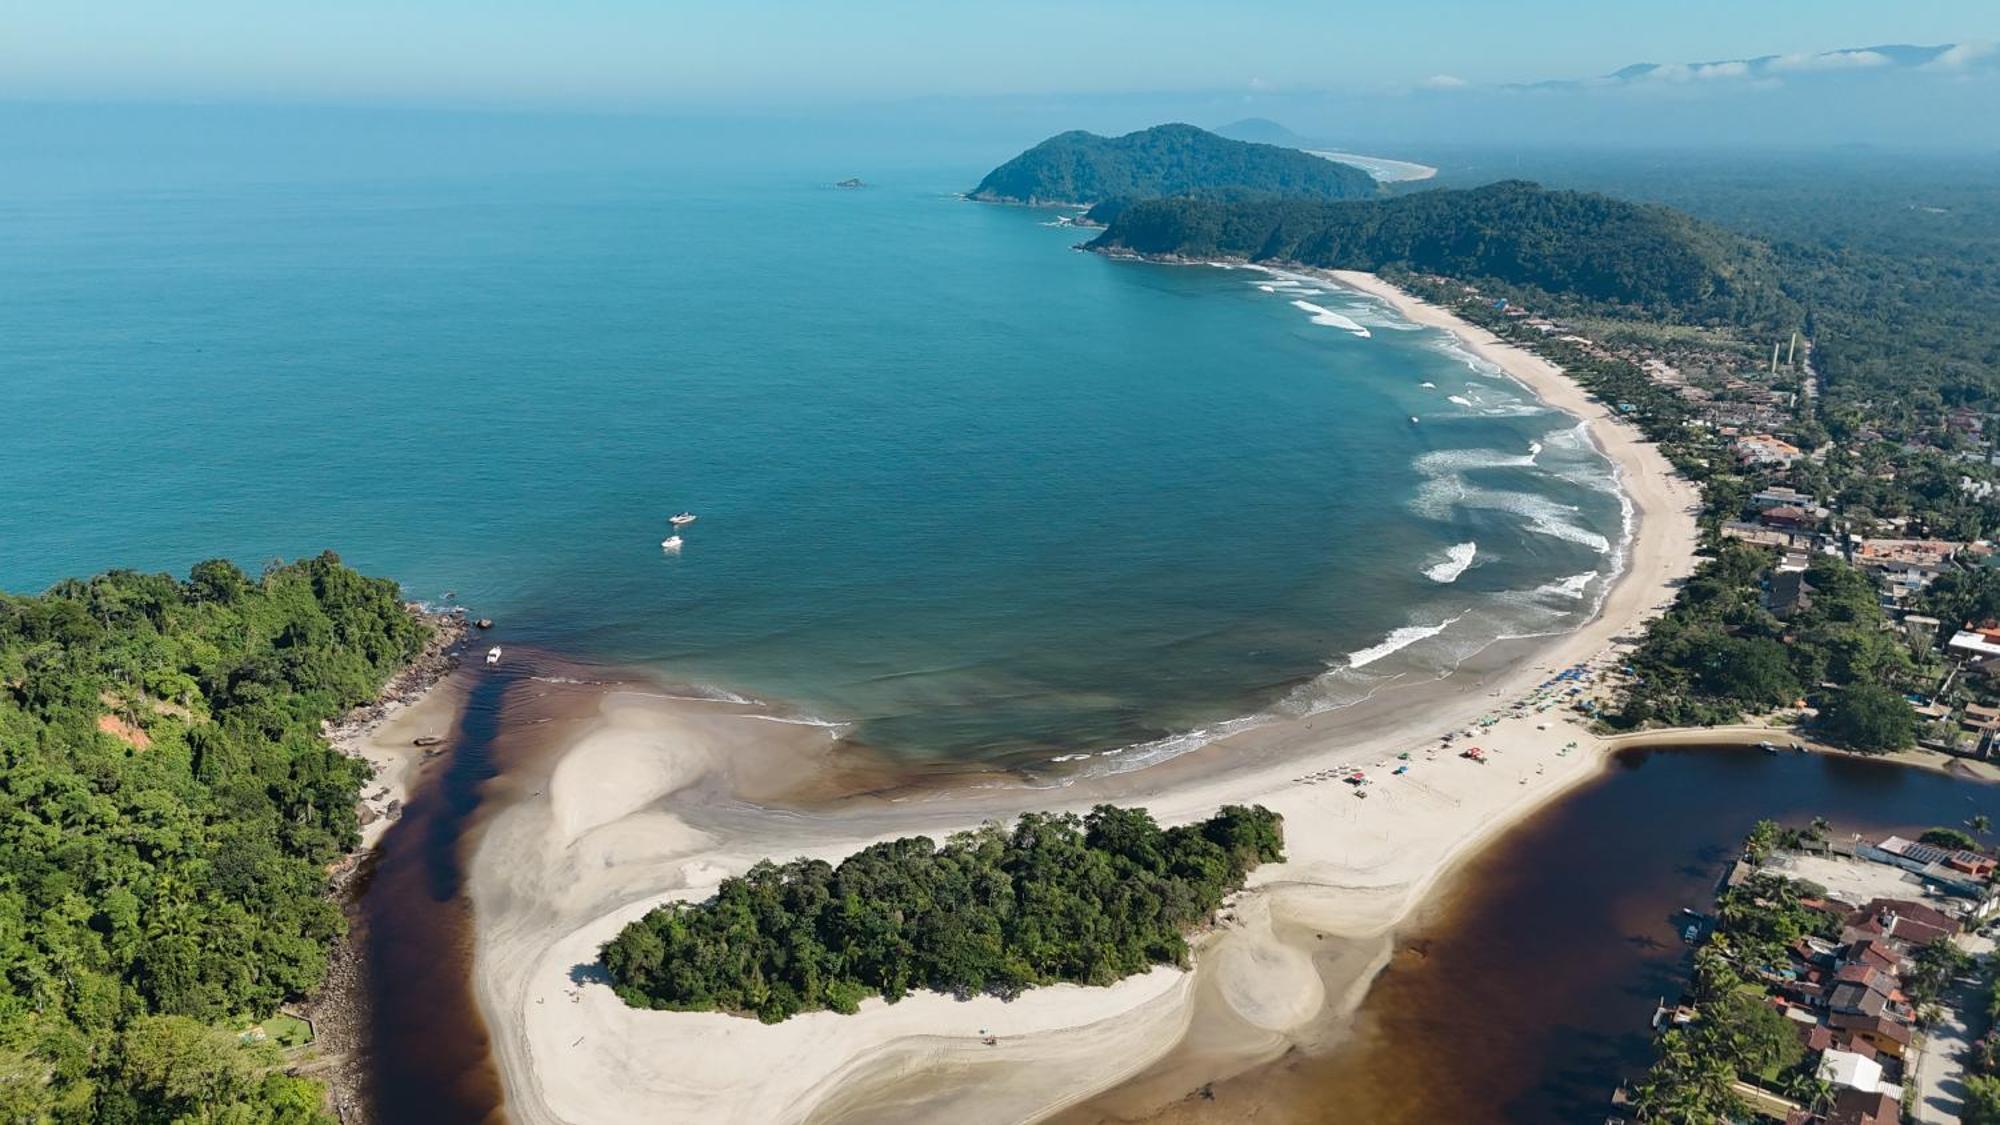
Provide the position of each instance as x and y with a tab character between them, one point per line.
339	1013
382	797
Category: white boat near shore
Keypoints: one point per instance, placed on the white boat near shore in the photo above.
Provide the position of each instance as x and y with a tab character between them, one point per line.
493	655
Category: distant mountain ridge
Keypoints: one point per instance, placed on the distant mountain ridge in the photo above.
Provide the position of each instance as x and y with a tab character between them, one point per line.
1166	161
1578	245
1264	131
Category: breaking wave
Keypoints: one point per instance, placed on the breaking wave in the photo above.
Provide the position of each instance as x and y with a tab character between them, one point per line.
1572	587
1457	559
1323	315
1397	641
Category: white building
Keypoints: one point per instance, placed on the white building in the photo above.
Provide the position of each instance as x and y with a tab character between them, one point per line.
1856	1072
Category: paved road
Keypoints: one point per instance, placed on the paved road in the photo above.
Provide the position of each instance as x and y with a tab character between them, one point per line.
1939	1080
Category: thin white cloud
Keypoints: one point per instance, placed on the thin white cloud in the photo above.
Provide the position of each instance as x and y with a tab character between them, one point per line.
1696	72
1443	82
1959	55
1832	60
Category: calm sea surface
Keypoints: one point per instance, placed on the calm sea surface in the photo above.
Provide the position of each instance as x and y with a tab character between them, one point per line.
969	493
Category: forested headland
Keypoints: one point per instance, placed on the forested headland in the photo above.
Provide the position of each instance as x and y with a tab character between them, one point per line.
1892	299
1054	898
169	813
1166	160
1568	246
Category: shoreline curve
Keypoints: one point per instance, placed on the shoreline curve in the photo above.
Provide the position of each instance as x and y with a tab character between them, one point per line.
653	799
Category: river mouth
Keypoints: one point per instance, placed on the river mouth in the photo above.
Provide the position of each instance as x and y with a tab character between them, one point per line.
427	1055
427	1049
1521	991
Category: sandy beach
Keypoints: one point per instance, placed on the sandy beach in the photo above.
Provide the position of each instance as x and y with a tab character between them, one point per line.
658	797
421	702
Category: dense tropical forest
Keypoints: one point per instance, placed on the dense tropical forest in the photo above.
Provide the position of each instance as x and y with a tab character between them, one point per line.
1166	160
169	811
1718	653
1569	248
1054	898
1896	260
1892	270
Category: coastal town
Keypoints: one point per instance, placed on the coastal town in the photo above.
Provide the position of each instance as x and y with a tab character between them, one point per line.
1819	494
1835	983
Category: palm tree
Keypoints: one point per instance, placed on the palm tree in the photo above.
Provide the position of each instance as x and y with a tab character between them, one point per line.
1808	1089
1981	824
1820	827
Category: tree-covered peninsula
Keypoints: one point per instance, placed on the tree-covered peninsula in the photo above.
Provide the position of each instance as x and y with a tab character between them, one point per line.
1567	245
169	810
1166	161
1055	898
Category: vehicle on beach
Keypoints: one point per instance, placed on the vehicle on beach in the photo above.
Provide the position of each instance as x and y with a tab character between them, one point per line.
493	655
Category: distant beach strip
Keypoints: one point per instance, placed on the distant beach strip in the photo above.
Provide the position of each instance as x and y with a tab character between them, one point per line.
1383	168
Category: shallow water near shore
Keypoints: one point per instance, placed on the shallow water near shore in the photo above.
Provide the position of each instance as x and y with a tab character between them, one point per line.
1522	992
976	497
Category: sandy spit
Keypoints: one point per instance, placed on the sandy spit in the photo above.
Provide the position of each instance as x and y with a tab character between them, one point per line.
661	798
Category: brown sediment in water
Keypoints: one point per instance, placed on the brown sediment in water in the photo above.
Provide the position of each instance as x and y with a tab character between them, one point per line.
1521	991
657	807
420	1037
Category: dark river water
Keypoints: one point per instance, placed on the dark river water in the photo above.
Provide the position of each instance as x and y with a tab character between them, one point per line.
1522	996
429	1061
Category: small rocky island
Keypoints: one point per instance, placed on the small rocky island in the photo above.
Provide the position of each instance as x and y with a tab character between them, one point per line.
851	183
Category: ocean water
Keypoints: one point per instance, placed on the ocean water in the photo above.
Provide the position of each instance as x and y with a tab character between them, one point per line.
964	493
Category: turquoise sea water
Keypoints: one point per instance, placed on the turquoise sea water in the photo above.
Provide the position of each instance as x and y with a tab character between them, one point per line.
978	495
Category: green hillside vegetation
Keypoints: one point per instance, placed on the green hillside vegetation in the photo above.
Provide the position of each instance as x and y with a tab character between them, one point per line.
1055	898
1166	160
1717	654
1895	280
1898	270
168	814
1569	249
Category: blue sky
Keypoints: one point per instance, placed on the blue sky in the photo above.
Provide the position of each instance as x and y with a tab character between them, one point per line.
633	54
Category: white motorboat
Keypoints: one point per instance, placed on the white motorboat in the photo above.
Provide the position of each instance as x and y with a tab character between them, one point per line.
493	655
671	544
682	520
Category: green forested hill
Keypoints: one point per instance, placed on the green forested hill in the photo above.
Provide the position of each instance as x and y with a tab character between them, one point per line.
168	814
1166	160
1571	246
